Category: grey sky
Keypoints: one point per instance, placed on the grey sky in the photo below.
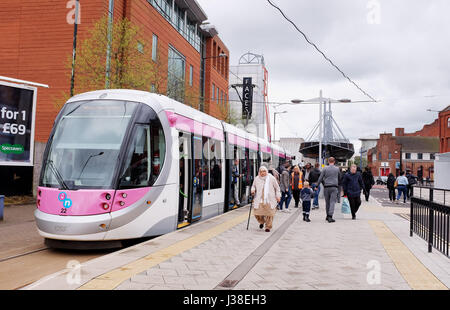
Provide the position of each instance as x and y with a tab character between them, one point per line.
399	60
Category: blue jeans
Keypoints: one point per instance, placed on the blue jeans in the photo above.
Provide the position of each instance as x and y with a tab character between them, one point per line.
402	189
285	198
316	194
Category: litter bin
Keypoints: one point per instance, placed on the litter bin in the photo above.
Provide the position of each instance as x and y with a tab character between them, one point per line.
2	204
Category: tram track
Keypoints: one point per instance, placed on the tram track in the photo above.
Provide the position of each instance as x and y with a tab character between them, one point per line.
22	254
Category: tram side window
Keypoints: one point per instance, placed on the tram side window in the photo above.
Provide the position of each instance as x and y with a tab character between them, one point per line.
215	153
158	150
205	163
145	158
266	158
137	166
276	161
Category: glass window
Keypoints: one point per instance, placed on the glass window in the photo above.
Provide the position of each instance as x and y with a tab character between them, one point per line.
215	164
191	75
213	91
432	156
379	156
84	150
407	155
155	47
140	47
419	156
390	155
217	95
205	163
145	158
267	158
176	75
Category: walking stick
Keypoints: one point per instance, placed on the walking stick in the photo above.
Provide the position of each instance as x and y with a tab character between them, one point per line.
250	212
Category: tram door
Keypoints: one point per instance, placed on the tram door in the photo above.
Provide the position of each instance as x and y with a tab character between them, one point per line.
245	171
197	178
185	191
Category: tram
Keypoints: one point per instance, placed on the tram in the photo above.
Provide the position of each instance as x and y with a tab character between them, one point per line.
126	164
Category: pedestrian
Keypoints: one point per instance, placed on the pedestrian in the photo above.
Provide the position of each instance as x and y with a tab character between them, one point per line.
306	172
235	176
411	181
297	184
340	179
267	195
391	187
330	179
420	175
275	173
402	183
368	180
315	186
285	188
306	194
353	184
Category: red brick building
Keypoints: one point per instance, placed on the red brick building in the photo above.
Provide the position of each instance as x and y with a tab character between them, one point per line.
36	42
414	151
444	130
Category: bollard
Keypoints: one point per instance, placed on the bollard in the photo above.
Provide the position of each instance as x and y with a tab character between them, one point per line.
2	205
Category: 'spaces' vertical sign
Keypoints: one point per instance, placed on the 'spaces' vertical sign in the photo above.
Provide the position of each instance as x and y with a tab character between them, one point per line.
247	98
17	113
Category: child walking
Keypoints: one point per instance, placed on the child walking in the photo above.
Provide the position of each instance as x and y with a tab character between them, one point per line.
306	195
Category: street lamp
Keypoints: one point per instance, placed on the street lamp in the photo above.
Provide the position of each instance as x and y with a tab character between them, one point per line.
220	55
274	123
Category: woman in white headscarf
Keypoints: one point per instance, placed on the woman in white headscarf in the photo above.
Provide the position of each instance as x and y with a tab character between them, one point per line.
267	195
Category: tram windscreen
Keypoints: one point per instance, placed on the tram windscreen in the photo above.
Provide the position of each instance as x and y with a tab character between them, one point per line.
85	147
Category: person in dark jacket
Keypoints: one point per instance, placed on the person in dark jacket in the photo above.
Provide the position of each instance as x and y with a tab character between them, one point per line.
352	185
368	182
391	186
411	181
313	178
307	194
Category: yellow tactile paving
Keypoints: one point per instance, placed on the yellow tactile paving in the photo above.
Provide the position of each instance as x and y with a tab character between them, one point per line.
114	278
411	269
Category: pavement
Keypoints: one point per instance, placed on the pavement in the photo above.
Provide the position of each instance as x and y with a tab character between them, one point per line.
374	252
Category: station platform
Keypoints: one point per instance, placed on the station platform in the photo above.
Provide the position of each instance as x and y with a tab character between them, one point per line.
374	252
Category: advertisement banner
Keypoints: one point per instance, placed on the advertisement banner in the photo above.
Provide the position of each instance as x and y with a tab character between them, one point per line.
17	114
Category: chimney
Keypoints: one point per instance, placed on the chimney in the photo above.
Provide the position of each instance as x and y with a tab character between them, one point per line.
399	132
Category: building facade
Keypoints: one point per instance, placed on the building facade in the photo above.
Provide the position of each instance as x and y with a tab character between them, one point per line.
253	66
444	130
37	41
405	151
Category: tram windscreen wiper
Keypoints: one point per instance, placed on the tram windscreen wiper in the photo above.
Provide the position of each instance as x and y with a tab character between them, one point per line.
58	176
85	164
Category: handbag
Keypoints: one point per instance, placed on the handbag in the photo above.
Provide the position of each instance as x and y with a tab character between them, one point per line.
345	209
396	184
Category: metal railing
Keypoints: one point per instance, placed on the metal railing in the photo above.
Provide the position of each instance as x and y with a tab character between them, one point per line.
430	219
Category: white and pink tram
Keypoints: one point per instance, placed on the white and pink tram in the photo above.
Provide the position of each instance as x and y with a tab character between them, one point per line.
125	164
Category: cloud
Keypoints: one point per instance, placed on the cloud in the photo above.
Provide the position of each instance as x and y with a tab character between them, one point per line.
399	61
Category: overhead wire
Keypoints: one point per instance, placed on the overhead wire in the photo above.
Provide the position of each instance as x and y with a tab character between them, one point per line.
322	53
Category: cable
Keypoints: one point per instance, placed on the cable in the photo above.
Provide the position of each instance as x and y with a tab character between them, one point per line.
315	46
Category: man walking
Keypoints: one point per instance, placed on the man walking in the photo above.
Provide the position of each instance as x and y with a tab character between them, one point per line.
330	179
315	186
285	187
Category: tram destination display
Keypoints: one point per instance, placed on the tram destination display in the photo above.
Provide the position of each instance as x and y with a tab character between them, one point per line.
17	105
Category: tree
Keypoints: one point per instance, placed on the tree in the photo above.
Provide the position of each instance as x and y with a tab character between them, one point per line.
131	64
